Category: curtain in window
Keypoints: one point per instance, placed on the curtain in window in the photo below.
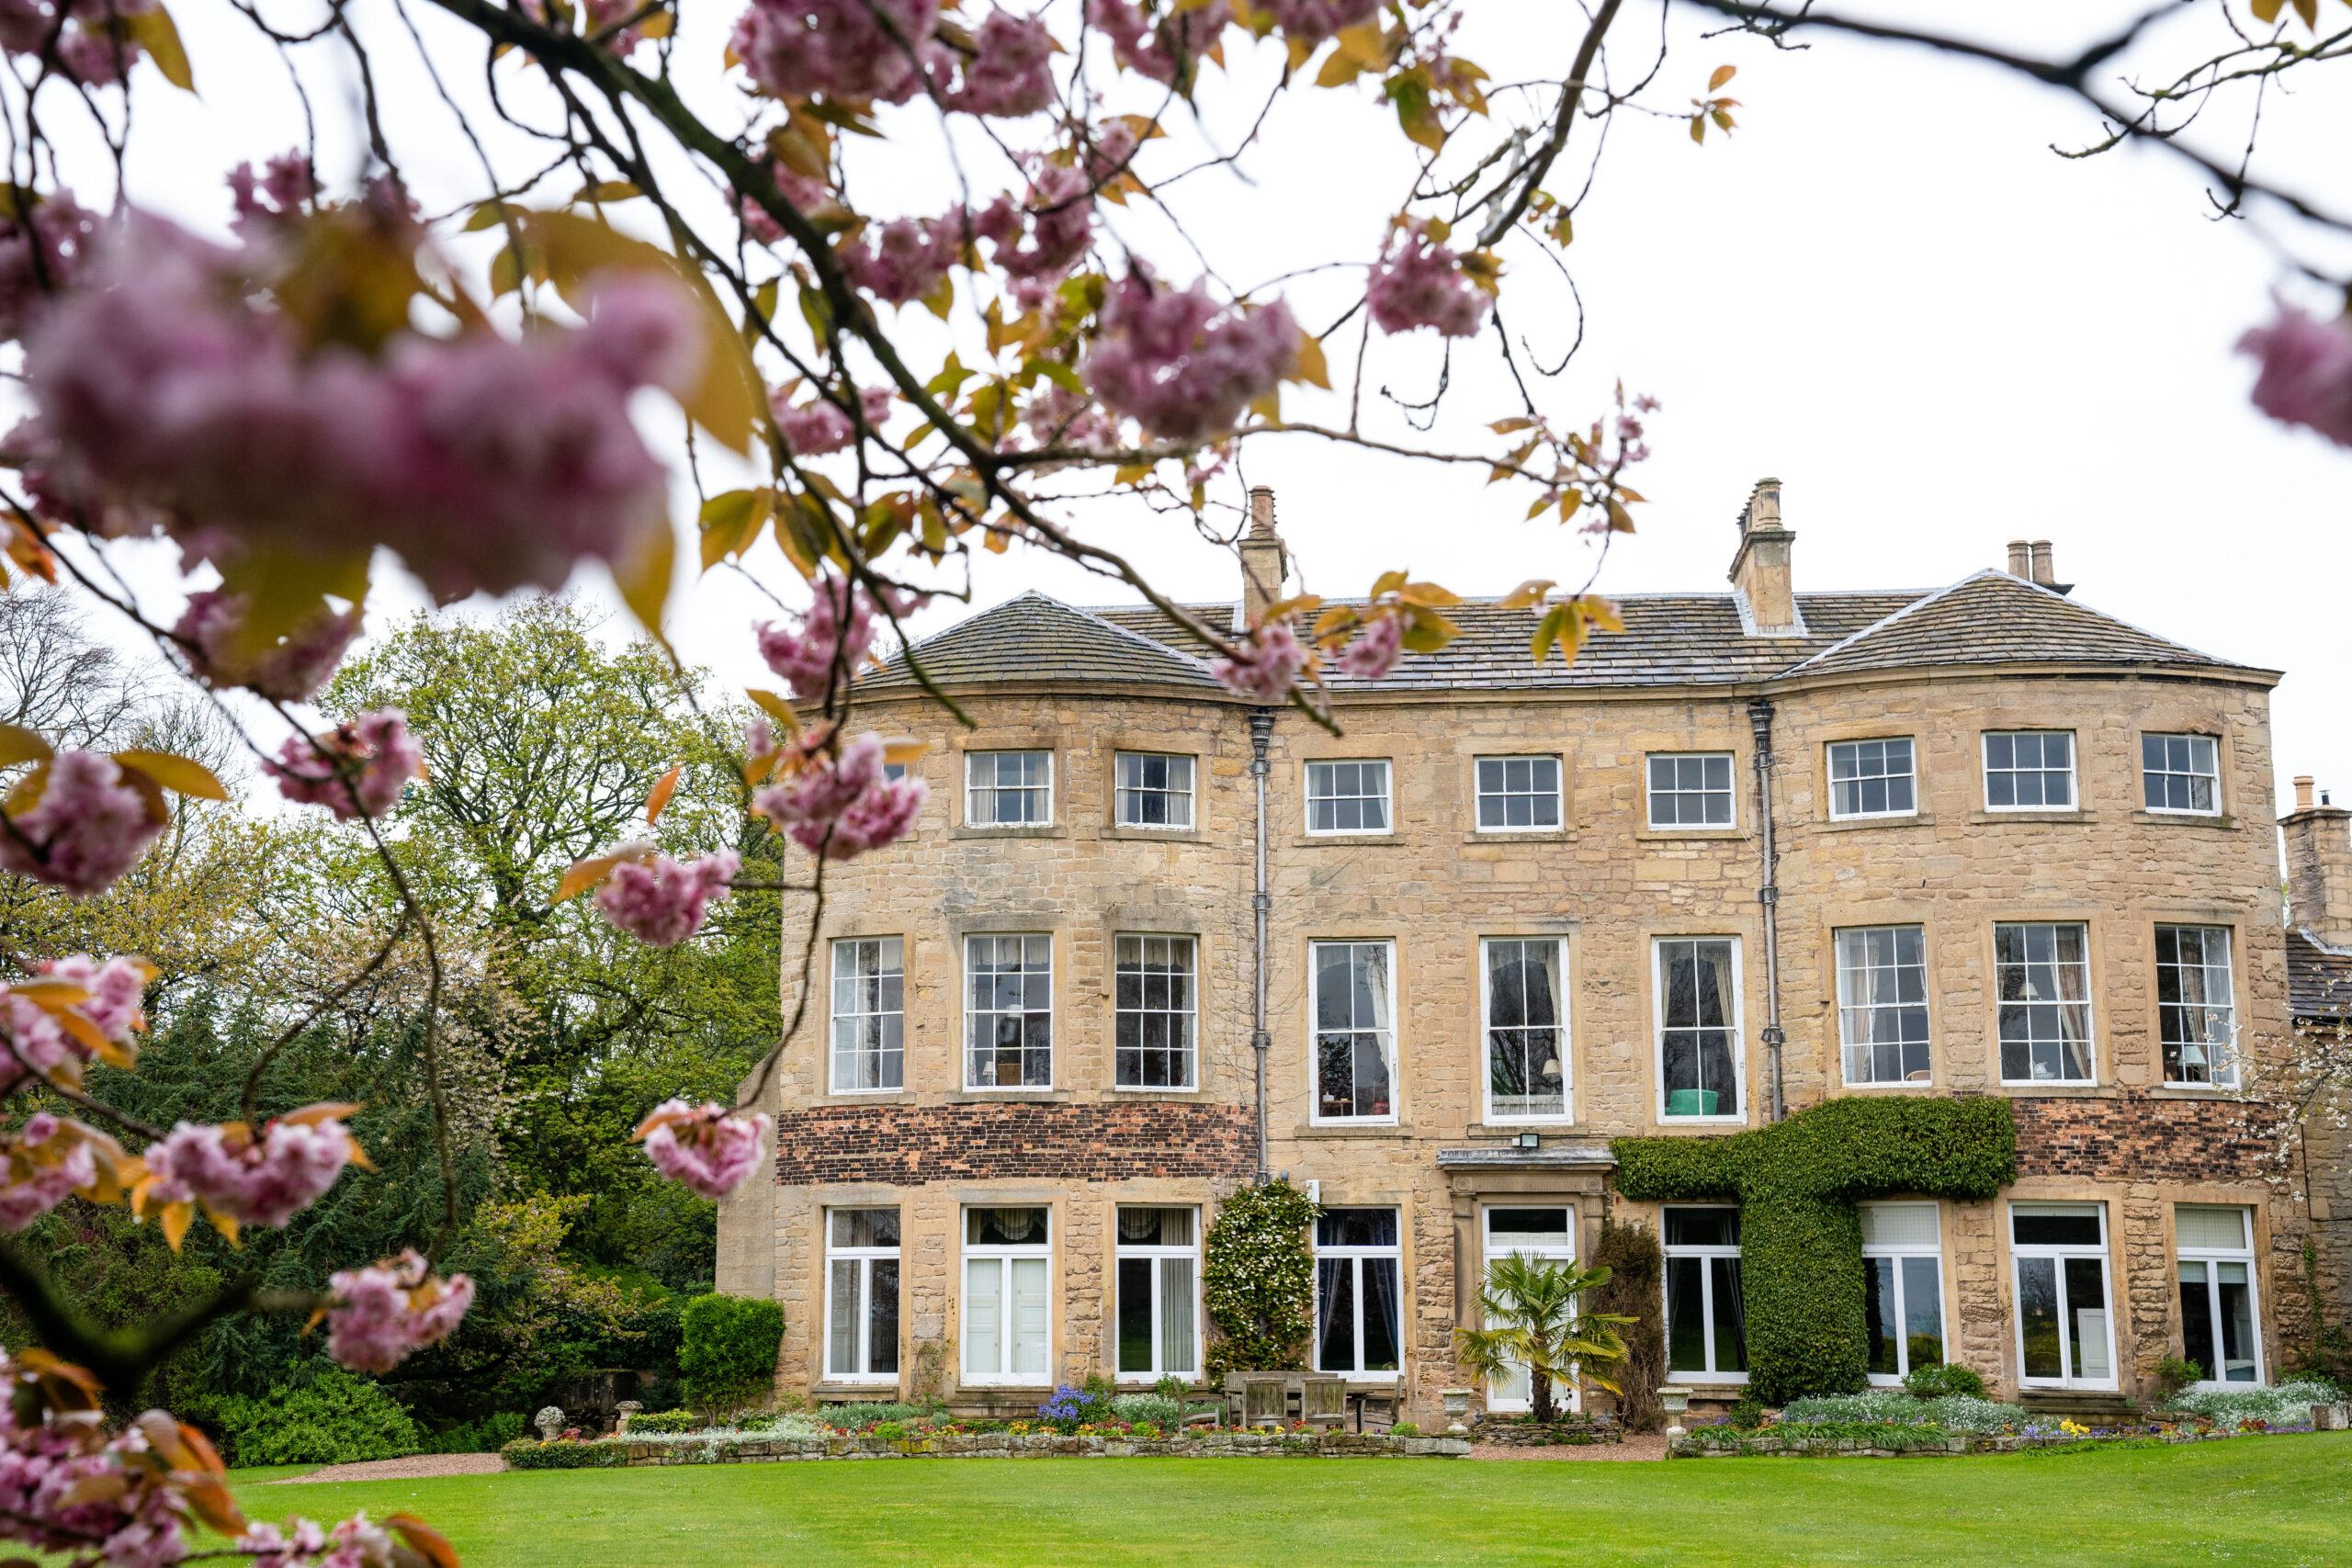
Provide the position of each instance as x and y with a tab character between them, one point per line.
1697	1043
2074	998
1176	1314
882	1318
1380	1324
1730	1317
841	1354
1032	1316
983	1308
1334	1310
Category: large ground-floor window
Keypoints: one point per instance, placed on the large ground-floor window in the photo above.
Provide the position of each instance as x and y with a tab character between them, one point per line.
1706	1322
1543	1234
862	1295
2220	1330
2065	1324
1158	1268
1903	1296
1358	1262
1008	1295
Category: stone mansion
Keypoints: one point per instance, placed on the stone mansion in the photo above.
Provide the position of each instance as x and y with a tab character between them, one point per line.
1150	942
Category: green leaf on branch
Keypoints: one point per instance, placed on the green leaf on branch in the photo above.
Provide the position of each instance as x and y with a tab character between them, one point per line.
154	32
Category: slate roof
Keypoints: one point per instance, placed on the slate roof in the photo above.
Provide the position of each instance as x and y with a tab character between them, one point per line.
1993	619
1036	638
1670	639
2319	977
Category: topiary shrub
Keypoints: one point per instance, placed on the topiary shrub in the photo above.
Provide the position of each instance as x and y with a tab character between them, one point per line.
665	1421
1942	1379
1636	1265
602	1453
727	1358
337	1419
1801	1242
1257	1280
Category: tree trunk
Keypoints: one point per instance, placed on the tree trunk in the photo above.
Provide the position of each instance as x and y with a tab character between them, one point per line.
1539	1388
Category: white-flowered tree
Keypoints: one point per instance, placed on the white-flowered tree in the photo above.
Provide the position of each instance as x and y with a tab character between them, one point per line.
658	201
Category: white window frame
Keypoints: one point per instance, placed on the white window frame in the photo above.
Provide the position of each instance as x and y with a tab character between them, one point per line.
1158	1255
890	960
1004	1376
1649	794
1387	797
972	787
1738	1035
1570	1397
2221	1057
1845	1008
1190	1013
1557	795
1355	1257
2020	1254
1706	1297
864	1258
1933	1250
2213	779
1390	1044
2212	1258
2089	1006
971	1012
1122	792
1910	773
2074	768
1561	1033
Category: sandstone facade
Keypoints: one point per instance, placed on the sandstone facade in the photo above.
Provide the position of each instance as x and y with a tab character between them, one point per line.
1605	884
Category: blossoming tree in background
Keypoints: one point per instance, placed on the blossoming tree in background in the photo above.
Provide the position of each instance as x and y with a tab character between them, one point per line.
683	202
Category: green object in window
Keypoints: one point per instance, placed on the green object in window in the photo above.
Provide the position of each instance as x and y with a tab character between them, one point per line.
1690	1102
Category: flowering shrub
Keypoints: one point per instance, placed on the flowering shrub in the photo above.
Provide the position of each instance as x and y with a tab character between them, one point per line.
2280	1406
1258	1279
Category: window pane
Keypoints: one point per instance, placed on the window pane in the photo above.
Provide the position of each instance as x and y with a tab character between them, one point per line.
1686	1322
1923	1313
1878	1314
2038	1312
2209	1228
882	1315
1380	1315
1176	1334
1135	1314
1703	1227
1335	1311
2236	1293
1032	1317
2197	1322
1007	1227
2087	1317
840	1355
983	1310
1730	1316
2061	1228
1356	1227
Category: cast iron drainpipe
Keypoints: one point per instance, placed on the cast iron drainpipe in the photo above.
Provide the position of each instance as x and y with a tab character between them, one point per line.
1261	731
1759	719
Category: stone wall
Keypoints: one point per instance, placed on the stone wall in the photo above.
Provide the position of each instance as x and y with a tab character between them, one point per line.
1434	886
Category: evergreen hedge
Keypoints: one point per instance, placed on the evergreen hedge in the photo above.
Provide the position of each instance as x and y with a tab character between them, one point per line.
728	1359
1797	1183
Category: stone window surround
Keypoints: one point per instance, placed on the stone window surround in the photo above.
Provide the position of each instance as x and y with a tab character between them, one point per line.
2120	1205
1057	1211
1473	1191
2242	1000
1847	917
1653	1003
1829	799
1200	745
1331	1195
1486	750
1397	1122
1569	934
2075	785
2254	1199
2181	719
2096	924
1054	742
1945	1299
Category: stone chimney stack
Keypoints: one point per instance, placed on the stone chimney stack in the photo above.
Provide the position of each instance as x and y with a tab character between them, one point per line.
2041	572
2319	867
1264	562
1760	568
2021	559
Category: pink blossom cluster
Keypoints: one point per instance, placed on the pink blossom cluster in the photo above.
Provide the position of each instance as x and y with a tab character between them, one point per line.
41	253
488	463
1374	651
1058	214
383	1315
116	988
818	426
834	636
87	828
376	751
87	48
792	49
65	1489
292	671
354	1543
1167	48
1270	661
903	259
2306	372
38	1039
39	1169
1059	417
1009	71
708	1149
661	902
1420	283
841	807
803	192
1312	21
1179	364
277	194
264	1180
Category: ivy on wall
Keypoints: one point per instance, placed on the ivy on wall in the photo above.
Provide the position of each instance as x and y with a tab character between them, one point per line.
1800	1242
1257	1280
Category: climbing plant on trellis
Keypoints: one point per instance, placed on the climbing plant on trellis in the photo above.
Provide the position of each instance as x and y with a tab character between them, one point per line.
1258	1279
1800	1242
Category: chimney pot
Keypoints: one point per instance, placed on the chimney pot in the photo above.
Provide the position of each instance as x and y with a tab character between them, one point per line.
2021	559
2304	792
2041	569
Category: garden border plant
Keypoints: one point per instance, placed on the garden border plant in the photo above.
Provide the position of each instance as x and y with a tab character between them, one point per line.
1800	1241
1258	1279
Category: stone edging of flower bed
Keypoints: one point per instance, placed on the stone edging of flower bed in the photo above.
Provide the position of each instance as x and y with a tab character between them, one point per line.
1530	1435
613	1453
1766	1445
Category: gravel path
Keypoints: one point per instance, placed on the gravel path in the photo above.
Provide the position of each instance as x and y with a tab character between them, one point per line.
1641	1445
407	1469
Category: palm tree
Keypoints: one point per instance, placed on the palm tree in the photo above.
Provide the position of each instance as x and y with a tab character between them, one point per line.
1530	1307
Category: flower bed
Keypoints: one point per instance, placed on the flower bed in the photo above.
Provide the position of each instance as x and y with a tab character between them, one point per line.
1898	1440
1532	1434
944	1442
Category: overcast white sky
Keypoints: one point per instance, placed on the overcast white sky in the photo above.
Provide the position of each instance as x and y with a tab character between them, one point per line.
1885	290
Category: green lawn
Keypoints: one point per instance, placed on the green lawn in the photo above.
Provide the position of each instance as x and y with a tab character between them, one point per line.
2260	1500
